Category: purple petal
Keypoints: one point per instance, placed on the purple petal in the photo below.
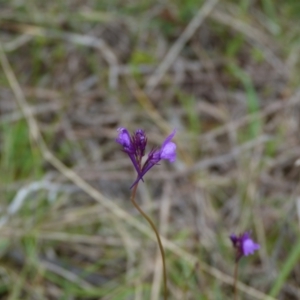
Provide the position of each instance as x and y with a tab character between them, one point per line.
124	137
249	247
245	236
168	151
168	139
140	142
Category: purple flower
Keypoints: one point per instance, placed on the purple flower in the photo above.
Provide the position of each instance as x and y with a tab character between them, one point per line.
135	147
135	144
244	245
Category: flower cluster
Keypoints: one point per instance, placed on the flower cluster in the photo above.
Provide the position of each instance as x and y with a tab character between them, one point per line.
135	147
244	245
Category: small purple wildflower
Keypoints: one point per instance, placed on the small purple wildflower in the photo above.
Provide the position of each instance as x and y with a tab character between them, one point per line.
135	147
244	245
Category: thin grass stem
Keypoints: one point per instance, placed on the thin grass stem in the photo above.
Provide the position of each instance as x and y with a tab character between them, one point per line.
235	279
132	198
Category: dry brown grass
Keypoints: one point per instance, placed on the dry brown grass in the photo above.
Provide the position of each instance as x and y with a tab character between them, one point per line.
223	75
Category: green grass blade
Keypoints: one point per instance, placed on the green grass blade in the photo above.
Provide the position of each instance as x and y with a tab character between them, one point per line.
286	270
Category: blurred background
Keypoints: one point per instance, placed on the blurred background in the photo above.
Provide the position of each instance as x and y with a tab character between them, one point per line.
225	74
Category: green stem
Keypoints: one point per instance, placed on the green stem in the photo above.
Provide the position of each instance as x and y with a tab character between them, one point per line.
132	198
235	279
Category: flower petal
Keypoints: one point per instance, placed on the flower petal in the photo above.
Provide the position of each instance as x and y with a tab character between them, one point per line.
249	247
168	151
124	137
168	139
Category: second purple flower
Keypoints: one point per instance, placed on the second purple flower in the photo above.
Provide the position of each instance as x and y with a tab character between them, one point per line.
244	245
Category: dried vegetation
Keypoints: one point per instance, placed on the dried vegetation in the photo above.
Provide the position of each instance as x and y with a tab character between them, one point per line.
224	73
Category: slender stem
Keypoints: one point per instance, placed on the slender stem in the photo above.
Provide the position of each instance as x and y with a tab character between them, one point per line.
235	279
132	198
